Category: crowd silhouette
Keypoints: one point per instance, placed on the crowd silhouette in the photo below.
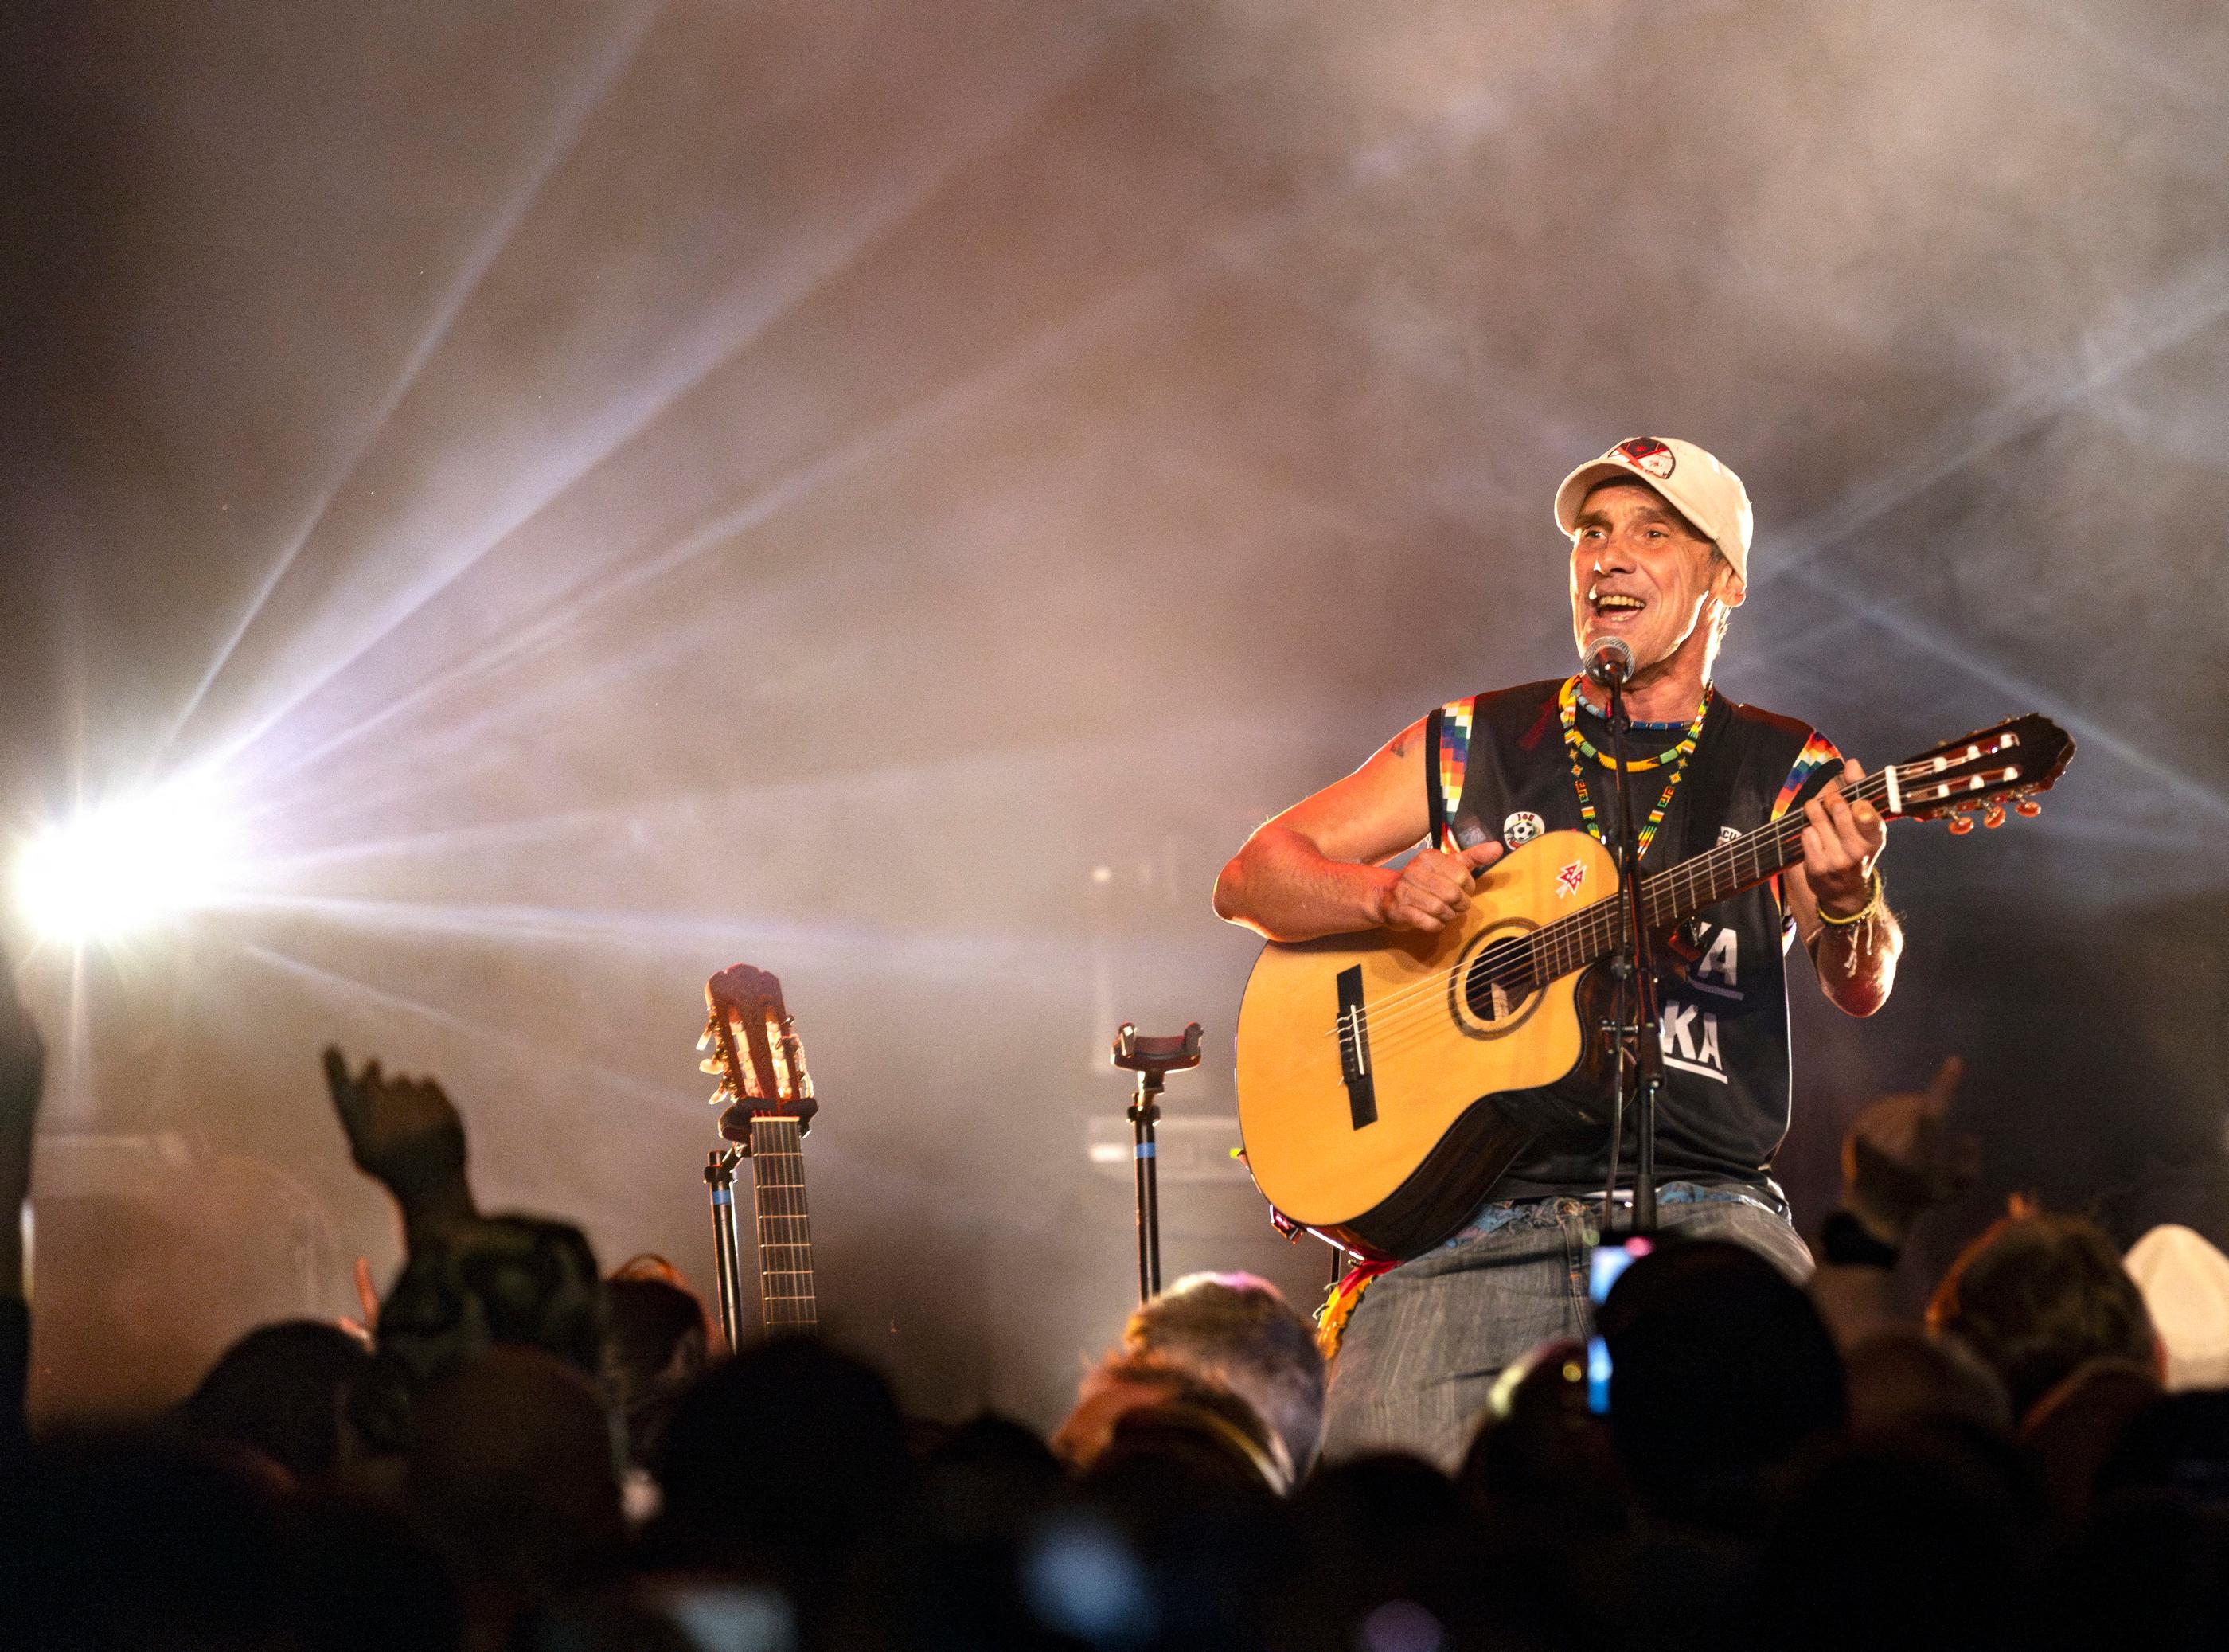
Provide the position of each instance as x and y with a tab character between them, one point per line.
526	1452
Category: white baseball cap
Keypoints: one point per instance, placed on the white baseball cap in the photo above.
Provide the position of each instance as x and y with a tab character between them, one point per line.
1700	488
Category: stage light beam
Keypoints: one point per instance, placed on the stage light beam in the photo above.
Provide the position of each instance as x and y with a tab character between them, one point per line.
127	865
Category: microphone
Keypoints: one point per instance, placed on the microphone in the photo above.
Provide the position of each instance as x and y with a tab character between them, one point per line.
1609	661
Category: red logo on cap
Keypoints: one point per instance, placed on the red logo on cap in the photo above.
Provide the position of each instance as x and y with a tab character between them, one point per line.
1646	453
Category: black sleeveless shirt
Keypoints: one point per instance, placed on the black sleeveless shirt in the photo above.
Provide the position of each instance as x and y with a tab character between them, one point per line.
1497	767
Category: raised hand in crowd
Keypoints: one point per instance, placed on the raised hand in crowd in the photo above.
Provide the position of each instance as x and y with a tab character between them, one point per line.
1901	1159
406	1135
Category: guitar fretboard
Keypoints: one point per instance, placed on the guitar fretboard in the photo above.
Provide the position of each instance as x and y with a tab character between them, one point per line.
1556	949
785	1230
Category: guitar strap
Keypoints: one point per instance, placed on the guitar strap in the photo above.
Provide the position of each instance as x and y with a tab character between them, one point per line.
1818	753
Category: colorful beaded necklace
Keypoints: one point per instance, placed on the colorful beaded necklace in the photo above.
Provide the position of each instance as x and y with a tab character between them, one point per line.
1676	754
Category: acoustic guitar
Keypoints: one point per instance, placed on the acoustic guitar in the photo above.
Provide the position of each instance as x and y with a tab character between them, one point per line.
1386	1080
761	1064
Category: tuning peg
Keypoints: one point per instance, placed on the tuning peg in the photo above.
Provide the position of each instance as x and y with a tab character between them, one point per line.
2028	806
712	1066
1994	816
1961	825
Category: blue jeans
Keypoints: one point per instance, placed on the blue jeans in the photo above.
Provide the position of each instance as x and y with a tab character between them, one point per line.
1426	1342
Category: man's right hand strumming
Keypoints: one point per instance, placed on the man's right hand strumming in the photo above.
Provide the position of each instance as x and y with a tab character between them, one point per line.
1433	889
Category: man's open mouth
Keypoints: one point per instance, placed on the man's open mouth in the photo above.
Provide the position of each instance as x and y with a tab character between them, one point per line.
1616	605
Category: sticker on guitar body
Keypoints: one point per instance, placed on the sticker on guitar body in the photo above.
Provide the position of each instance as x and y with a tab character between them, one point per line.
1569	879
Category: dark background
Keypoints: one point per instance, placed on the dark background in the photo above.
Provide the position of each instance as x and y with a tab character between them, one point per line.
894	492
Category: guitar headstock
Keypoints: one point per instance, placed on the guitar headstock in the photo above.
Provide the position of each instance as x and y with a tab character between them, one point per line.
755	1048
1975	772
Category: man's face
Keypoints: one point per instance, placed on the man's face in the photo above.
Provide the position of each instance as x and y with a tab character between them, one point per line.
1640	572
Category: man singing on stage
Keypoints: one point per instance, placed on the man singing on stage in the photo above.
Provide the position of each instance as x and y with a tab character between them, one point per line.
1660	533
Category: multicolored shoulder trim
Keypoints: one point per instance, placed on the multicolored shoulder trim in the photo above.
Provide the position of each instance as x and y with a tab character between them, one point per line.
1454	752
1818	753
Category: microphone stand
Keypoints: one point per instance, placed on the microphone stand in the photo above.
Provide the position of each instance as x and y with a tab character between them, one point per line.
1152	1060
1634	968
727	1246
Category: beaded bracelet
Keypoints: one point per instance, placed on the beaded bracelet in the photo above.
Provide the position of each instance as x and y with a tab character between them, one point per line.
1872	905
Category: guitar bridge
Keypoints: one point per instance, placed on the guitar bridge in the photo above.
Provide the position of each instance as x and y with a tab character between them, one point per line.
1354	1050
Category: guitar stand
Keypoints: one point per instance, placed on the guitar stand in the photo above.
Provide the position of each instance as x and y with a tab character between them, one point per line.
1152	1059
727	1244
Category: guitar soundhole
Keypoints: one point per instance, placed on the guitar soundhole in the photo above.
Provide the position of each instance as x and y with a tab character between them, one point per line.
1498	992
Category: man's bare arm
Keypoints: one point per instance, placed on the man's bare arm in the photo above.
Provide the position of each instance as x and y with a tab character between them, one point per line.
1314	869
1856	965
1841	842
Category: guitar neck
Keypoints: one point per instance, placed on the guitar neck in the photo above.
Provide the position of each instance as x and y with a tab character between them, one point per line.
785	1229
1739	864
1668	897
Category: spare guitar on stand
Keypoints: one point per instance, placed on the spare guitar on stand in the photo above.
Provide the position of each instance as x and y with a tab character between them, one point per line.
761	1064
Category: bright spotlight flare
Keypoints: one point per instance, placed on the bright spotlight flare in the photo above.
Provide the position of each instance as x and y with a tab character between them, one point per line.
126	865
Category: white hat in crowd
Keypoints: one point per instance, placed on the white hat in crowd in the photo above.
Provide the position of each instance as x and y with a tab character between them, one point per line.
2185	1283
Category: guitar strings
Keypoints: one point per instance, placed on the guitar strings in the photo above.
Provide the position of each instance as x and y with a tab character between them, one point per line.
1574	936
808	1313
781	1223
1519	968
1577	939
779	1159
1583	937
783	1138
768	1186
794	1202
1573	941
778	1298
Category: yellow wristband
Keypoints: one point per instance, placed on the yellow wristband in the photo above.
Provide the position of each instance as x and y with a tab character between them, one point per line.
1872	905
